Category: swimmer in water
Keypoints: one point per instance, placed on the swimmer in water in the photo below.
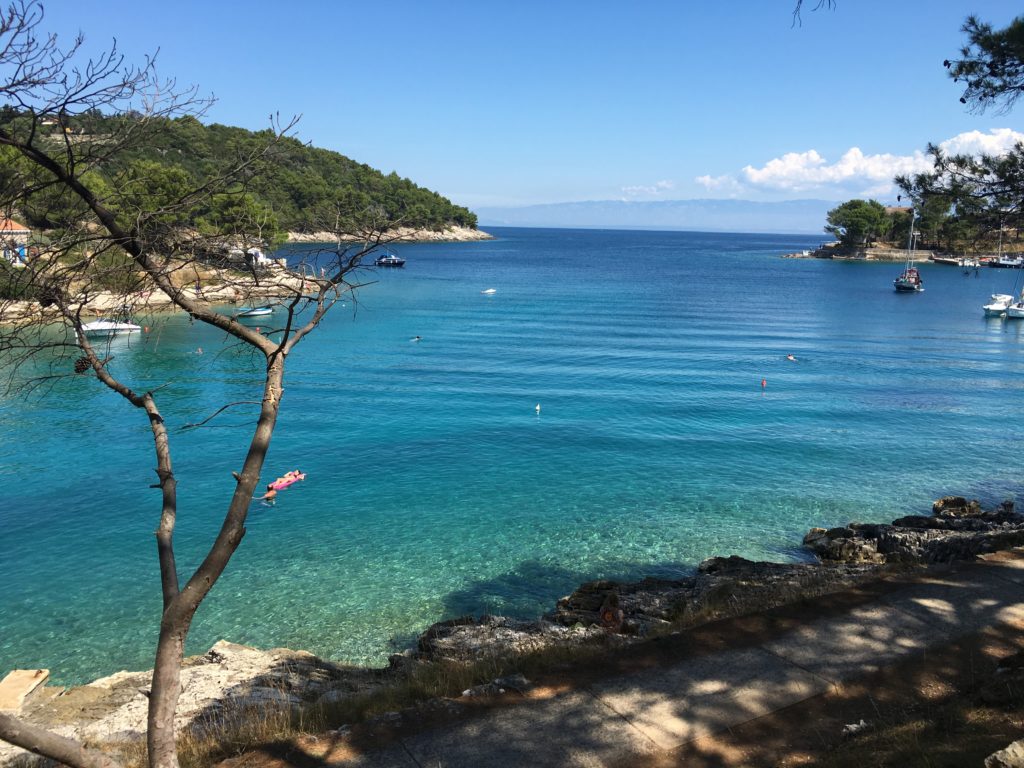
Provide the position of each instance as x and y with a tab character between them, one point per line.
791	358
417	338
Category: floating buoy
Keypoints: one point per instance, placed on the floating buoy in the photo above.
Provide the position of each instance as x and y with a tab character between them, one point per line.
764	383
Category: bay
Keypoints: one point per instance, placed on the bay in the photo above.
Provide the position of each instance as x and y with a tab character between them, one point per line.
435	488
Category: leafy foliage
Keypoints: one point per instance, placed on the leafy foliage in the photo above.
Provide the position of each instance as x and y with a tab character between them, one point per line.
992	64
976	195
298	188
857	221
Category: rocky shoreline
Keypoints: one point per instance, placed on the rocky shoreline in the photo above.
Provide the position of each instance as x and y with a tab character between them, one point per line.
403	235
231	680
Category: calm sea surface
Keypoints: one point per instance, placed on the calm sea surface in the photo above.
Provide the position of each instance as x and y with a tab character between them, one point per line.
436	489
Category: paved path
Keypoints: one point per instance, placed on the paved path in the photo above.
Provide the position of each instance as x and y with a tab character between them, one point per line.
662	708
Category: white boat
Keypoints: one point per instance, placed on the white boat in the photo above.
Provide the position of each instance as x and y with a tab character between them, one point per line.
389	260
1015	309
910	280
255	312
1000	301
997	307
1008	262
104	328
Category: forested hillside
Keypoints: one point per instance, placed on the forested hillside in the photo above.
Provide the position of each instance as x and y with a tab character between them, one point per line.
297	188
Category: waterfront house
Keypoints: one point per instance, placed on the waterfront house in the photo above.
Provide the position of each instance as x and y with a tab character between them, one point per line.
14	239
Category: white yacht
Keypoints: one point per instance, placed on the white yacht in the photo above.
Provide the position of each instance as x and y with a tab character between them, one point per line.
104	328
1015	309
997	307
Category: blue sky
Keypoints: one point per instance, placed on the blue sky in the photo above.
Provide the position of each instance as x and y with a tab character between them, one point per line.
528	102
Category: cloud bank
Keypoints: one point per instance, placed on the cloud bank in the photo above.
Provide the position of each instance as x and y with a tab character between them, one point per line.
854	173
650	190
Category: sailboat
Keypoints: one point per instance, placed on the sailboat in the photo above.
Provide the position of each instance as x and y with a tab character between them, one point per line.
1001	302
910	280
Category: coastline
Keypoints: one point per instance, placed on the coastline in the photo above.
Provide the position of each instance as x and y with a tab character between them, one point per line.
229	680
403	235
224	290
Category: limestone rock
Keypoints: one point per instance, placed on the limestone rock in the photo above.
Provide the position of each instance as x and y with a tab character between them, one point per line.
1011	757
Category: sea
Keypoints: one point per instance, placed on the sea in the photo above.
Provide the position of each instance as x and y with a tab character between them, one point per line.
620	405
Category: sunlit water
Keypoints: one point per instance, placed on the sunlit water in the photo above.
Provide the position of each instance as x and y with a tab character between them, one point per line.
434	486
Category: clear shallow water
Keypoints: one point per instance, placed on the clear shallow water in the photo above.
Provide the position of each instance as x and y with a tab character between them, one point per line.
435	489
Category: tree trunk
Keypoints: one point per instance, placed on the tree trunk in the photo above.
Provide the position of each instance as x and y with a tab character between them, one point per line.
42	742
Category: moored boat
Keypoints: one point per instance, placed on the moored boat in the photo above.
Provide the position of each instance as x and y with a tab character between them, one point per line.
1008	262
997	306
255	312
105	328
910	281
1015	309
389	260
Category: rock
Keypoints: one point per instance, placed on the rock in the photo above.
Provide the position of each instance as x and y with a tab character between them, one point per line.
224	683
1011	757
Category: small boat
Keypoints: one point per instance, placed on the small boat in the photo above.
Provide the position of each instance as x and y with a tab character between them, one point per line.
389	260
1008	262
489	291
1015	309
105	328
255	312
1000	301
910	280
997	307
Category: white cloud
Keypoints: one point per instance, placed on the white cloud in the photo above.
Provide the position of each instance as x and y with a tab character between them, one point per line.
854	172
797	172
998	142
649	190
719	183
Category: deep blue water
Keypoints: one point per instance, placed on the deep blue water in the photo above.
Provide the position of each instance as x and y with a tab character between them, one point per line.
434	487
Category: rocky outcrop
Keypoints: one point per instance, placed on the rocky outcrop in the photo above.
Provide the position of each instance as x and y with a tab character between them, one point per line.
229	681
958	529
615	613
232	680
610	612
404	235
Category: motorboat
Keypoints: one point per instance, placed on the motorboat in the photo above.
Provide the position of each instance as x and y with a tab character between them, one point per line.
389	260
910	280
104	328
1008	262
997	307
255	312
1015	309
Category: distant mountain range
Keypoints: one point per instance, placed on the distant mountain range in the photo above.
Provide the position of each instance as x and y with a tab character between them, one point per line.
789	217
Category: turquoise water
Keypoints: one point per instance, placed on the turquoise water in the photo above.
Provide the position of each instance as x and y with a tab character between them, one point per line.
435	489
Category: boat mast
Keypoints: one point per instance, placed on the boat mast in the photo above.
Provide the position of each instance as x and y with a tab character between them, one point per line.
910	235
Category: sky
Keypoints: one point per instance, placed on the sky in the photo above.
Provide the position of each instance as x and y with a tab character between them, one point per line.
523	103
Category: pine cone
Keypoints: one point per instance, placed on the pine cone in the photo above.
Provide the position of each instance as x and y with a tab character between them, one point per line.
82	365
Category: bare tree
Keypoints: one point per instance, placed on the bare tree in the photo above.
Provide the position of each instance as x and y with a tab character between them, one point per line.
120	232
798	19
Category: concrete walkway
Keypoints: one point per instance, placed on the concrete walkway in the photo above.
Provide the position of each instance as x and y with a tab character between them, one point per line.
618	720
